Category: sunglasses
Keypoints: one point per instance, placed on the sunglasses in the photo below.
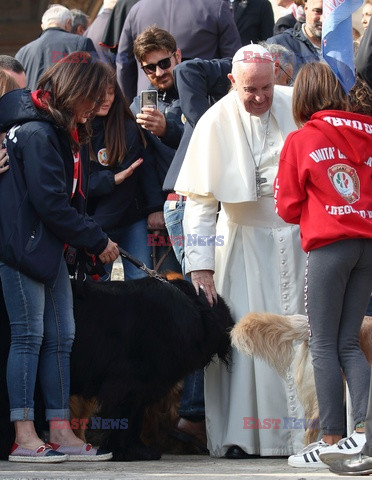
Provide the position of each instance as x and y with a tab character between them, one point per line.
164	64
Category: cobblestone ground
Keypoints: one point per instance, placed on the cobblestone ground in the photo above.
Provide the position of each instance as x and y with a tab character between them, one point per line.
170	467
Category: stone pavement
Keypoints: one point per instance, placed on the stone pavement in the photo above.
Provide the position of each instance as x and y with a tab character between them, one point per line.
170	467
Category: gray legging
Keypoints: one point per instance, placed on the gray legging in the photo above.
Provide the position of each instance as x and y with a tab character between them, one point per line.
338	288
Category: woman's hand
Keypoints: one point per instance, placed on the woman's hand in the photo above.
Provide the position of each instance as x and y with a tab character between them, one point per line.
110	253
121	176
204	279
3	159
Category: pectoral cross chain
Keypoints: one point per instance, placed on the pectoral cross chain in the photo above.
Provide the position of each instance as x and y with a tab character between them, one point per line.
259	181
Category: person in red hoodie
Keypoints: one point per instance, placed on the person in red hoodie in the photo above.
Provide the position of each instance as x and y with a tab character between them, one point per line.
324	185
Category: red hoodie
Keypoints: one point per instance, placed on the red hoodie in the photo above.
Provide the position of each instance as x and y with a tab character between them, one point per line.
324	181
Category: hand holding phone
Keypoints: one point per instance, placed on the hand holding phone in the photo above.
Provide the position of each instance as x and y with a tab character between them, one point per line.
150	117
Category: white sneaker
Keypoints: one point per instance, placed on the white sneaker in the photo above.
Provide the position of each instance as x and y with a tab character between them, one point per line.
349	445
309	456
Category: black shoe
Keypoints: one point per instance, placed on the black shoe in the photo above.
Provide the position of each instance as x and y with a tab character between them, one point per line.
236	452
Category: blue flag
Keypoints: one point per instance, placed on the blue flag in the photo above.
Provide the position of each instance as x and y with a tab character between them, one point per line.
337	39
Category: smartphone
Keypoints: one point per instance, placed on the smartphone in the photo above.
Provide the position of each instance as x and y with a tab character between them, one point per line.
149	98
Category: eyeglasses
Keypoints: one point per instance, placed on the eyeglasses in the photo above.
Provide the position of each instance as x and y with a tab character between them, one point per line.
290	83
164	64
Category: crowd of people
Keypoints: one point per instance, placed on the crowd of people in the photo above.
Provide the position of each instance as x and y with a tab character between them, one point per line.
252	163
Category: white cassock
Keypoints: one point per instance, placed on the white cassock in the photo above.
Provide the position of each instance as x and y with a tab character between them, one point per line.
259	266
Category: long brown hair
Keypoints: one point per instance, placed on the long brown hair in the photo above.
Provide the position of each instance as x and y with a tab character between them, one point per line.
7	83
76	78
316	88
114	122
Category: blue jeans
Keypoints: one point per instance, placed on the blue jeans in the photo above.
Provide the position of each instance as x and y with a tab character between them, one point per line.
173	216
192	401
42	333
133	239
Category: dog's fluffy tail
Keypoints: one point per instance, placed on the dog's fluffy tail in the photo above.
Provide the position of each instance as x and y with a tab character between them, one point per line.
270	337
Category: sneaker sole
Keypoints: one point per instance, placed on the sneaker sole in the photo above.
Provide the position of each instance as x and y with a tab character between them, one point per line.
90	458
51	459
307	464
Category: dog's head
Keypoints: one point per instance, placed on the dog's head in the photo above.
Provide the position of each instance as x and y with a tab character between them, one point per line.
217	320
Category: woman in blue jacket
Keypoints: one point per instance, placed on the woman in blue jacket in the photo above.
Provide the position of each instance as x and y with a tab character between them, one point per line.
43	195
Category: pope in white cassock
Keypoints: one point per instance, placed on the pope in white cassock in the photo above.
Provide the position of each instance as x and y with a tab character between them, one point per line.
233	158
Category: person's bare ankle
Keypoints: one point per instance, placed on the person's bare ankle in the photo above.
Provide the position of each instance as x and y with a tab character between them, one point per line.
26	436
61	433
29	443
331	439
360	427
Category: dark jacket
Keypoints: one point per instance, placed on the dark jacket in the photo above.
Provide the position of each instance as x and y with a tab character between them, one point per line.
47	50
161	150
200	83
295	40
114	25
113	205
38	215
202	28
96	29
283	23
254	20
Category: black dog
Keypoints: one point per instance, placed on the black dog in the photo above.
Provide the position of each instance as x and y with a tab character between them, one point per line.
134	341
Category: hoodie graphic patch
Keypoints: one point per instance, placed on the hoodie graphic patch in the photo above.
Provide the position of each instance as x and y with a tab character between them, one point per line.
346	182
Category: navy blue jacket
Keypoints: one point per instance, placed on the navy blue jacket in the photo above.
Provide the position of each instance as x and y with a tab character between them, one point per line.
200	83
113	205
254	20
283	23
161	150
295	40
38	215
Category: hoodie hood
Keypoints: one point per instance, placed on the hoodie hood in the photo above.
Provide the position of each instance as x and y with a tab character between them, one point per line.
17	107
351	132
